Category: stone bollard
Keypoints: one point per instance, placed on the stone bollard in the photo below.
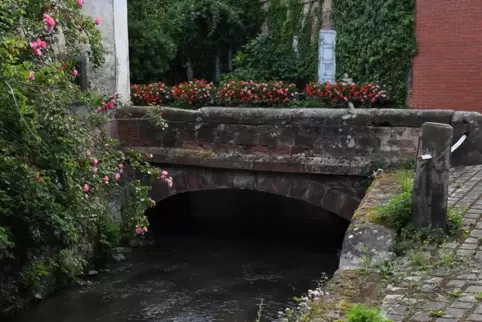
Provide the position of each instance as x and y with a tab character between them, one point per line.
430	188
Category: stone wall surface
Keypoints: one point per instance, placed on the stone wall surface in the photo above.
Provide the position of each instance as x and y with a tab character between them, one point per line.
317	141
336	194
113	75
365	238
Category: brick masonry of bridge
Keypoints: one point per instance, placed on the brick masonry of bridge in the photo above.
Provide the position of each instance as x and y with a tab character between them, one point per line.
420	293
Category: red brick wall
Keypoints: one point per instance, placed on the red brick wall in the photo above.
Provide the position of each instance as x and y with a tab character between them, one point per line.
447	71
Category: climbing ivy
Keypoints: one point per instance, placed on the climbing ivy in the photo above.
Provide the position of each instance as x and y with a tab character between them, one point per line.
376	42
271	56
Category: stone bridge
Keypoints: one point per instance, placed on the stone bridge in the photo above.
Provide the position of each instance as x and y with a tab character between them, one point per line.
321	156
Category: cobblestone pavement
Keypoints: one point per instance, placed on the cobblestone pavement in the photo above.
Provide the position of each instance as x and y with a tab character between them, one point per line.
441	294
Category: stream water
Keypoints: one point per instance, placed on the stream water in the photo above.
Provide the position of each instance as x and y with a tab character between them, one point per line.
197	275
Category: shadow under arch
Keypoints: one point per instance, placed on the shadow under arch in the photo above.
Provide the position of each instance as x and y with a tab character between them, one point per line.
245	214
313	189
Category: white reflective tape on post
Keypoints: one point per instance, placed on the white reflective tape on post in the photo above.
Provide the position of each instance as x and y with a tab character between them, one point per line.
452	149
426	157
458	143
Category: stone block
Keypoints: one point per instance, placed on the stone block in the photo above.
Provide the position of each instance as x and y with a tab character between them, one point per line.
410	118
430	192
332	118
249	116
179	115
470	152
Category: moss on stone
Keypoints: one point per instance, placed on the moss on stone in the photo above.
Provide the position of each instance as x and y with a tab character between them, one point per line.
347	288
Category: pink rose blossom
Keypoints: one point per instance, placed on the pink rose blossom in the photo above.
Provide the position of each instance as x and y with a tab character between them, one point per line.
95	161
117	176
100	109
121	166
89	153
49	23
75	72
37	52
110	105
106	179
80	3
94	169
164	173
31	75
145	229
86	187
138	230
97	21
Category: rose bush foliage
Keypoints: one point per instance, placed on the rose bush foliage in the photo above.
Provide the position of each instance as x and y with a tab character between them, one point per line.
58	167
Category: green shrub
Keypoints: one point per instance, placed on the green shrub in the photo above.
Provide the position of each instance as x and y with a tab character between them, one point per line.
397	214
360	313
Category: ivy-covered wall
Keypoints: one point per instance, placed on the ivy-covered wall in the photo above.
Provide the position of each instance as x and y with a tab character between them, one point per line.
376	41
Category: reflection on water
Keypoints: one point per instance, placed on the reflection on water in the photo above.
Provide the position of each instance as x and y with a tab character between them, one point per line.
199	277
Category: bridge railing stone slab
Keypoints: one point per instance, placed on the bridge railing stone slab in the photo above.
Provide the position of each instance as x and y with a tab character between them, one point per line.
323	141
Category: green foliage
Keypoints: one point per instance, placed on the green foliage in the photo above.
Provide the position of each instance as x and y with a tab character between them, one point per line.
271	55
376	42
35	273
195	34
58	167
360	313
397	212
5	244
151	48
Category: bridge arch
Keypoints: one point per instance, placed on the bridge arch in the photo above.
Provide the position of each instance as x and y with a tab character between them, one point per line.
321	191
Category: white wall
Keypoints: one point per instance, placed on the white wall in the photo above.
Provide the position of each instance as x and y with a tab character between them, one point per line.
113	76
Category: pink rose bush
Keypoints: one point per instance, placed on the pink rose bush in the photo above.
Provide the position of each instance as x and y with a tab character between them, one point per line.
60	168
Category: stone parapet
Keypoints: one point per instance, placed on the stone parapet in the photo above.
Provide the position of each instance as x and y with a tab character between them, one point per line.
318	141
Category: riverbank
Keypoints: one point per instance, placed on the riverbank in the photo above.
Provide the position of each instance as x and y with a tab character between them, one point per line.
431	283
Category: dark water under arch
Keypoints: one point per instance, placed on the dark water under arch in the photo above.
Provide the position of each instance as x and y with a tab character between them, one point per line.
216	255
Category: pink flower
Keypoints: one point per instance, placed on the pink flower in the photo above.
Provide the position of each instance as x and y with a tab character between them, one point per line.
86	187
106	179
116	176
80	3
35	46
97	21
31	75
164	173
145	229
121	166
138	230
95	161
89	153
100	109
49	23
94	169
75	72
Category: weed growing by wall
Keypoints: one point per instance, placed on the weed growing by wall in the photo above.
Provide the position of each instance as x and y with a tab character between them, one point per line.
397	212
